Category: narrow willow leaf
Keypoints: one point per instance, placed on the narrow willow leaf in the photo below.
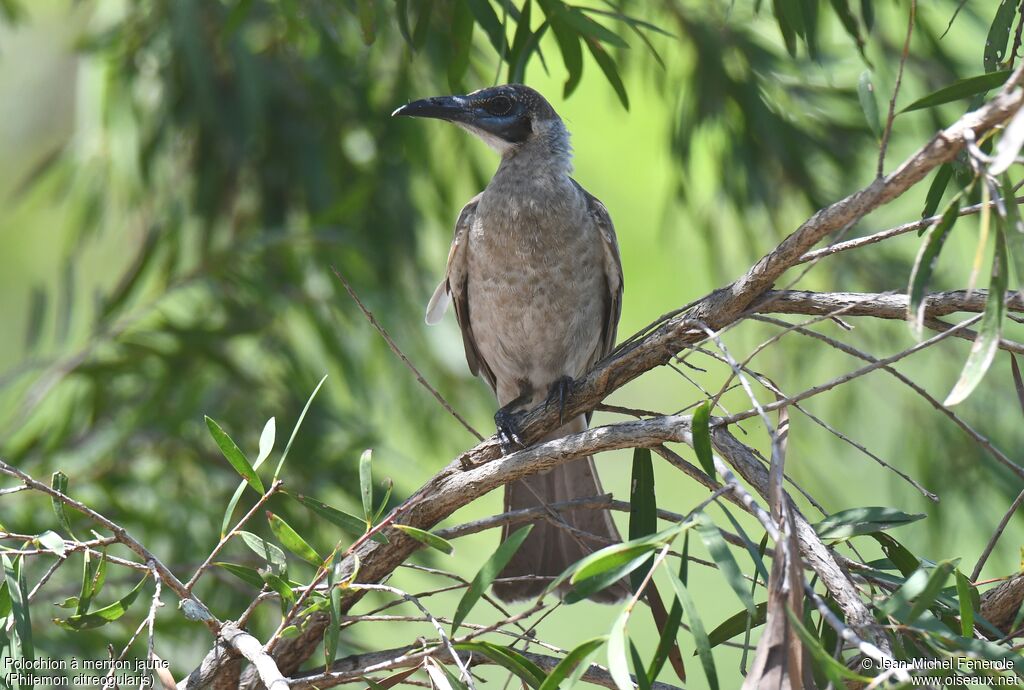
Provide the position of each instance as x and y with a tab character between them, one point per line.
498	560
459	44
590	28
855	521
366	485
291	540
607	65
611	558
388	486
1014	230
333	633
900	556
643	506
638	668
1009	146
282	588
964	88
233	454
927	257
53	542
225	522
265	550
700	636
107	614
367	21
509	658
568	44
572	660
719	551
295	429
486	17
936	581
438	678
17	591
935	192
349	523
602	580
267	437
999	35
702	437
985	346
428	538
849	22
964	591
244	573
666	640
869	102
834	670
520	51
736	624
618	666
59	482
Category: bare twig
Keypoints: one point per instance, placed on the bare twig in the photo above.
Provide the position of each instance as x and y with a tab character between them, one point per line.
405	360
887	132
976	573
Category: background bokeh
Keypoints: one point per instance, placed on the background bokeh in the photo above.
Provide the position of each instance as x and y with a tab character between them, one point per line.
179	178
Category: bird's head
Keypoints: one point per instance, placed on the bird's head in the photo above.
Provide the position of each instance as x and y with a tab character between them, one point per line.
506	117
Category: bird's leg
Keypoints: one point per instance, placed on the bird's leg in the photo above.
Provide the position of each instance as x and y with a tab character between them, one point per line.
507	424
560	390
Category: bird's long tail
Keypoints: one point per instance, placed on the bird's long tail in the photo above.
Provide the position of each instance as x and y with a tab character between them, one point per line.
551	547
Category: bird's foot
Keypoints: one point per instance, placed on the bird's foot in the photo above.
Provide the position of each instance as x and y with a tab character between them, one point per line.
560	391
508	430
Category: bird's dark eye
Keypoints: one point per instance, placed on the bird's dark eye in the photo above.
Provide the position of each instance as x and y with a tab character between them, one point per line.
499	105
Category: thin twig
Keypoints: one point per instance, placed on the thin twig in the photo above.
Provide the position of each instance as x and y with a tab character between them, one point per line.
887	132
405	360
995	536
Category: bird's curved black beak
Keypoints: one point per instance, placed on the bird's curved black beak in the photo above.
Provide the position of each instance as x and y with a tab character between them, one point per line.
450	108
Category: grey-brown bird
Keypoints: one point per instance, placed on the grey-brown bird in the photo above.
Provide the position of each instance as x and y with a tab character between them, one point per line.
535	277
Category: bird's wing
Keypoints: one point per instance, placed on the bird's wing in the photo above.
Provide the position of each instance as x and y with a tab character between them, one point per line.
453	289
612	271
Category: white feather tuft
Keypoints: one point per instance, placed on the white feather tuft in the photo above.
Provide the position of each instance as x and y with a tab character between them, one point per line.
438	304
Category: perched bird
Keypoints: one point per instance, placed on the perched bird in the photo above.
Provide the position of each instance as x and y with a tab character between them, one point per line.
535	277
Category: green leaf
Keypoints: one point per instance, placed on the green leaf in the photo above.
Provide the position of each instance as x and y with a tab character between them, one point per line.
855	521
736	624
282	588
618	666
965	595
366	485
346	521
900	556
17	592
935	192
428	538
1014	229
572	660
927	257
234	455
488	20
295	429
999	35
607	65
388	486
291	540
53	542
367	21
936	581
700	637
638	668
59	482
849	22
702	437
964	88
643	505
267	437
985	346
107	614
568	44
869	102
606	578
498	560
666	639
270	553
785	27
611	558
835	671
508	658
459	44
590	28
246	574
719	551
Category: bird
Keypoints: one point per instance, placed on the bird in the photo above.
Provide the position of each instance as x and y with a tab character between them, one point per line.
535	276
